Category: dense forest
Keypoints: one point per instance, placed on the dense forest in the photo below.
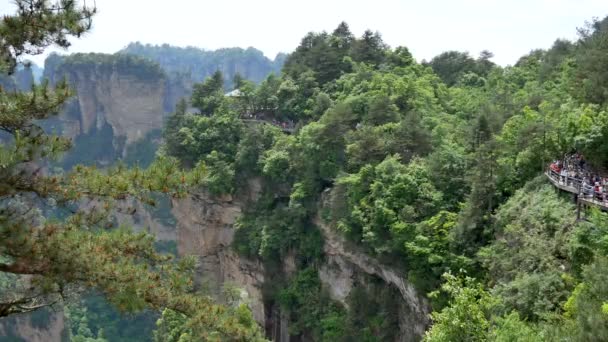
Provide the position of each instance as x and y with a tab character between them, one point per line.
432	168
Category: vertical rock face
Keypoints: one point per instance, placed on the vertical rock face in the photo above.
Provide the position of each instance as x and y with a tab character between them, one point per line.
206	229
178	87
28	328
126	93
134	214
132	107
340	273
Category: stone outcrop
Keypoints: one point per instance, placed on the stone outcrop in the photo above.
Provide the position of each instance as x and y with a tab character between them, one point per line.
134	214
344	262
129	94
133	107
206	229
27	328
338	252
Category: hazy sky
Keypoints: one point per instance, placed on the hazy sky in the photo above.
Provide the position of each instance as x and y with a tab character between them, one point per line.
508	28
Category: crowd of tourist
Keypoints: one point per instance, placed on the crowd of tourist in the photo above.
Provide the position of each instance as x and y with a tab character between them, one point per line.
575	172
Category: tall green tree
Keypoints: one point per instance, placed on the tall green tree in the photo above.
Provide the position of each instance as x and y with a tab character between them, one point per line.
208	96
82	248
592	57
370	48
466	319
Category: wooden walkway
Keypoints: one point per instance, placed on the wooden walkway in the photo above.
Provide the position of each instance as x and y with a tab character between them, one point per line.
573	186
288	130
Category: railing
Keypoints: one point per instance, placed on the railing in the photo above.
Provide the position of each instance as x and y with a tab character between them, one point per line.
575	186
288	129
570	184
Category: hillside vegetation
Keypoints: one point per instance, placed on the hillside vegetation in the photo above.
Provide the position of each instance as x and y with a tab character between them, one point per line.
434	168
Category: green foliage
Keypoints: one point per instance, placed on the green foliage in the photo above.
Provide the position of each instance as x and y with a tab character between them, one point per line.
591	59
430	253
588	240
171	136
83	249
138	67
171	327
312	310
447	164
370	49
371	144
526	259
213	139
275	164
454	67
430	167
21	37
271	229
255	141
385	201
329	56
94	319
590	300
221	174
512	328
208	96
467	317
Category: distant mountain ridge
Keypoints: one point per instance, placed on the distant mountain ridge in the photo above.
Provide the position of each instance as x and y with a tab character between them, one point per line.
123	98
22	79
198	63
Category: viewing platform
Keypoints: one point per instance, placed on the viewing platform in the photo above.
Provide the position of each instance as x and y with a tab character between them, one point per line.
289	129
585	196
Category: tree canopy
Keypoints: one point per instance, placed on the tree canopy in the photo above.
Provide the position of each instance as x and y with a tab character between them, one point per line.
432	168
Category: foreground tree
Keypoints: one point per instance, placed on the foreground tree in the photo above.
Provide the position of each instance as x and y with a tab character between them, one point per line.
42	259
466	318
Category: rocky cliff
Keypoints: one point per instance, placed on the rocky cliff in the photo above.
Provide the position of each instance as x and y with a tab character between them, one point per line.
125	93
344	263
131	106
206	227
41	326
122	98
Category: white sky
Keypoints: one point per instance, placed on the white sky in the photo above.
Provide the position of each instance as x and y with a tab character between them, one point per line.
508	28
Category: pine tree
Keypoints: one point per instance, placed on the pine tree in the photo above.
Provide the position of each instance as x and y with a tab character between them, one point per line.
209	95
370	49
83	250
344	38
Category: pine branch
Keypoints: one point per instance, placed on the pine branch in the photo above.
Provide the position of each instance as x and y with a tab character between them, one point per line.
23	305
